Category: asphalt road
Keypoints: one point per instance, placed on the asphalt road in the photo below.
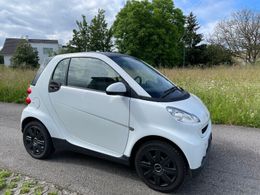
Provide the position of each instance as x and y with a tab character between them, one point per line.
233	166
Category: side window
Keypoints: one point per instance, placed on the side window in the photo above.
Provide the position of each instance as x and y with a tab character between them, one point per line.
91	73
60	71
39	72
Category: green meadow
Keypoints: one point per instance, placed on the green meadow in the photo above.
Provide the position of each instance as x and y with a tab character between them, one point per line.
232	94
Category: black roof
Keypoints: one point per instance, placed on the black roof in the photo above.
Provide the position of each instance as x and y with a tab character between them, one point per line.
113	54
43	41
11	44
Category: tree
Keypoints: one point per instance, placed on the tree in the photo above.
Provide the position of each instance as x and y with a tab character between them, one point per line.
216	55
80	39
240	34
25	56
191	37
151	31
191	40
93	37
100	35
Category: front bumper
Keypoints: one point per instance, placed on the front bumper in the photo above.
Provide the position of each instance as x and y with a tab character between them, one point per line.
195	172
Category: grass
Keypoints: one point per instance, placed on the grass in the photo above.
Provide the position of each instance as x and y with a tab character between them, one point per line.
24	190
38	190
13	84
2	184
8	192
232	94
16	179
3	175
13	183
53	193
27	186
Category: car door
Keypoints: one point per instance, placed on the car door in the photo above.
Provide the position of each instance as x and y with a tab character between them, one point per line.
91	118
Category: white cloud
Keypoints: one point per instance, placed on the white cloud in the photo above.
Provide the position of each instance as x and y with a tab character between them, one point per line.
56	19
207	30
50	19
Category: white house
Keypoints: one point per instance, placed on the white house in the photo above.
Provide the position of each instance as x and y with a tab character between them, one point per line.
44	47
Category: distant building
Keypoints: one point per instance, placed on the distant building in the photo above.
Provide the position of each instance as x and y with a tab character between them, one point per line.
44	47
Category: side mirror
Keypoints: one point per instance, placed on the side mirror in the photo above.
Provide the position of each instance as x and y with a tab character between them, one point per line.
118	88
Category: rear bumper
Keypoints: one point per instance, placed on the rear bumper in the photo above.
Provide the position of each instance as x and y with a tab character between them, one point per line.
195	172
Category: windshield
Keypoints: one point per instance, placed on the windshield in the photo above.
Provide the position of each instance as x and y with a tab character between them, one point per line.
150	80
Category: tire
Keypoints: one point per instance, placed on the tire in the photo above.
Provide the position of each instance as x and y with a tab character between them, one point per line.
37	140
160	166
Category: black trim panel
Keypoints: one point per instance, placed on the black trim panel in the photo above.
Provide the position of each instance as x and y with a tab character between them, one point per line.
64	145
54	86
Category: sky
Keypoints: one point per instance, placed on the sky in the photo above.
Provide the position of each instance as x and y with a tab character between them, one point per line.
55	19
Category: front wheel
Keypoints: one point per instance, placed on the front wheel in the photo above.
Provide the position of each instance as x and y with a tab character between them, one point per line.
37	140
160	166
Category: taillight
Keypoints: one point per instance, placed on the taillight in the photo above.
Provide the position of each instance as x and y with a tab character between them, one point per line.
29	91
28	99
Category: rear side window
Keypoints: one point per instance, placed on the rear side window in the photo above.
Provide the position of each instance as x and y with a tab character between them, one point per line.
91	73
59	74
39	72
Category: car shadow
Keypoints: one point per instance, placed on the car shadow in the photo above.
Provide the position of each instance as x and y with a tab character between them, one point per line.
224	172
75	158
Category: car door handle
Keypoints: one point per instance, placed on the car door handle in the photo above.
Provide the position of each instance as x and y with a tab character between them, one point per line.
54	86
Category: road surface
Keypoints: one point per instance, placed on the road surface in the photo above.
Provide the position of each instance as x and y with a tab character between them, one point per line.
233	166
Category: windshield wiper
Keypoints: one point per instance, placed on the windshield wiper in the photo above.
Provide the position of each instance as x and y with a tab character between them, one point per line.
168	91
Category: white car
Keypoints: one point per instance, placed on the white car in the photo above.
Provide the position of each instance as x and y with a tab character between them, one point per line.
117	107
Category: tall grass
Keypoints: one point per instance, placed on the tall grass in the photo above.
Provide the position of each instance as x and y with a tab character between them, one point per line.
232	94
13	84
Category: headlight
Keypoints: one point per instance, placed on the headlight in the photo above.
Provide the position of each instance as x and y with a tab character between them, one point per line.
182	116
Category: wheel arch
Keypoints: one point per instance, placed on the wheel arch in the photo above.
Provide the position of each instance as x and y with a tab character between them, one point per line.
30	119
143	140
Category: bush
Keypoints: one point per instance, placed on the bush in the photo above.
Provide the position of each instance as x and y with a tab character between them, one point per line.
216	54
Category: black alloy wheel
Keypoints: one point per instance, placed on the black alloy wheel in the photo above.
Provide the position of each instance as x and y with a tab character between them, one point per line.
37	140
160	166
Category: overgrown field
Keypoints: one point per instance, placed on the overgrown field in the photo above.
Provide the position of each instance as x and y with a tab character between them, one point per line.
232	94
13	84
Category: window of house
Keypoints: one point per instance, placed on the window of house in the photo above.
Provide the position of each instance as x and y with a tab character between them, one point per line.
91	73
47	51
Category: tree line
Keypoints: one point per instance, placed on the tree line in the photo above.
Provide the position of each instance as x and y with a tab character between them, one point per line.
159	33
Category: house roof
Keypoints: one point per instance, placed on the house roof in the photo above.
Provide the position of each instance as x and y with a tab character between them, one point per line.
11	44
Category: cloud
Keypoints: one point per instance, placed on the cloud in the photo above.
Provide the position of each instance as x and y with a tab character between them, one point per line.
207	30
55	19
50	19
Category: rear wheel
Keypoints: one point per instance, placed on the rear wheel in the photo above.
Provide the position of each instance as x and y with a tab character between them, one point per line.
37	140
160	166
